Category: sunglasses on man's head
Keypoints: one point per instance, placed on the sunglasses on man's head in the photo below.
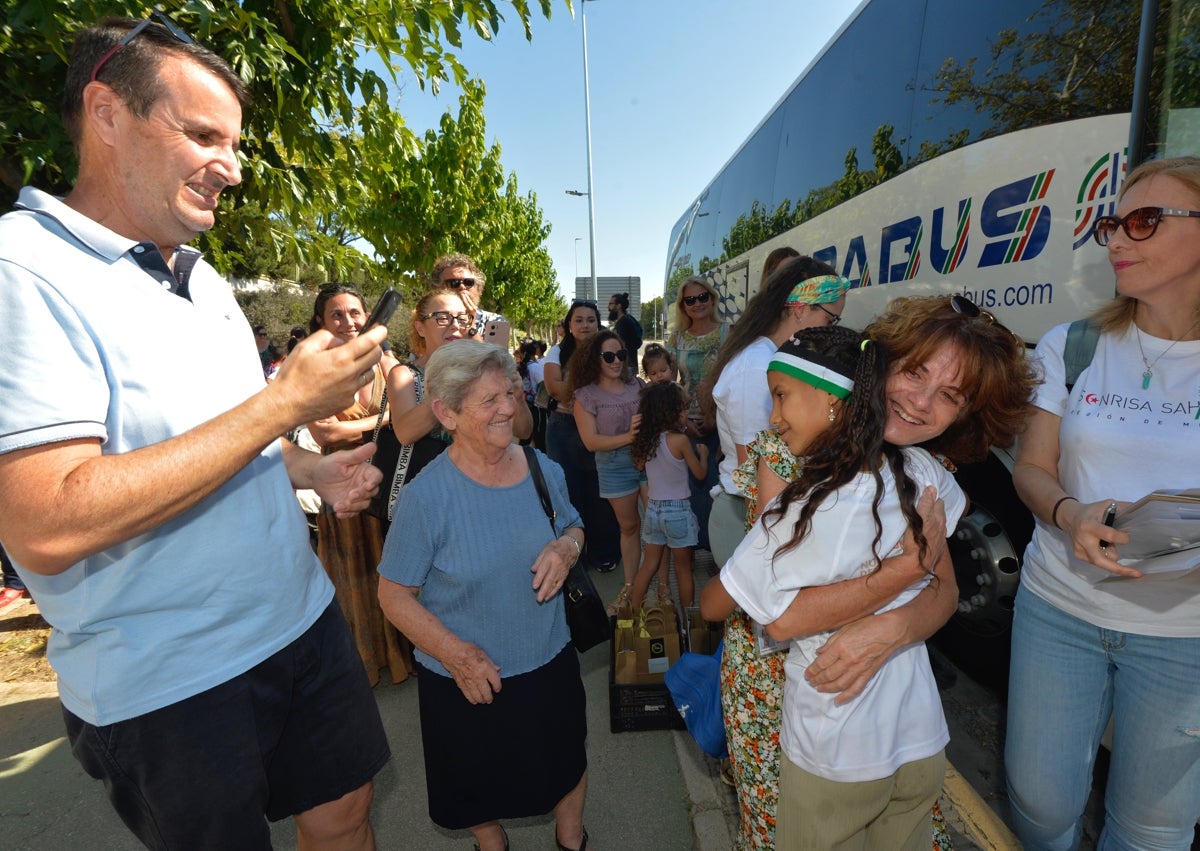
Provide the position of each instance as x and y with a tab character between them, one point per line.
1139	224
619	354
456	283
175	31
703	298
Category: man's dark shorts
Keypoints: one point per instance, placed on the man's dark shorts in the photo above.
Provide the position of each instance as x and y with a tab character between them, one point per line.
298	730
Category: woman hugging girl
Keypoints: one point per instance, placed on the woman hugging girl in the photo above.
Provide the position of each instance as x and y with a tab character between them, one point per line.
869	769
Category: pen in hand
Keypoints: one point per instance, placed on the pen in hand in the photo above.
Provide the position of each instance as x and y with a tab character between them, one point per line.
1110	514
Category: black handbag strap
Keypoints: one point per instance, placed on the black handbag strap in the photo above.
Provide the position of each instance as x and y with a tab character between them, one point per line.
382	412
539	482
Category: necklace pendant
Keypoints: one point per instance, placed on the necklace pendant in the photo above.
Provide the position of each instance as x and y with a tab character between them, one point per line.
1146	379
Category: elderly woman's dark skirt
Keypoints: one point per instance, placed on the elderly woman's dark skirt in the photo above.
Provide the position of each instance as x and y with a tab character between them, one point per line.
512	758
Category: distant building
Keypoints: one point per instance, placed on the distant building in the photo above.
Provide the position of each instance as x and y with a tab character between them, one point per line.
608	287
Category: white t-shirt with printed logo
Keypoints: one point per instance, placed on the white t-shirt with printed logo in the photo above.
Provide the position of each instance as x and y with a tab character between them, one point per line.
1120	441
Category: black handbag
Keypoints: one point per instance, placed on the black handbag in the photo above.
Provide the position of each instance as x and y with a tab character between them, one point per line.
587	617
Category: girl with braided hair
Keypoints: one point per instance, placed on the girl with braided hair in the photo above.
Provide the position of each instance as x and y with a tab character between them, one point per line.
870	768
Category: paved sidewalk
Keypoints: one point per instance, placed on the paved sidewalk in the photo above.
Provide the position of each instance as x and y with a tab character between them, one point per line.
648	791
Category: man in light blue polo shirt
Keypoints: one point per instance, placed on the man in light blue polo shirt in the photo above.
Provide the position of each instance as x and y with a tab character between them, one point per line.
205	673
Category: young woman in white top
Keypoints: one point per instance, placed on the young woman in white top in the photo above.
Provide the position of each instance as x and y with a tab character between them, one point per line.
801	293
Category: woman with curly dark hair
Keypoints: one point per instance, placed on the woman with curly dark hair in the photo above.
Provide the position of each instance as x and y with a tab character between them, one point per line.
870	769
606	393
662	448
958	381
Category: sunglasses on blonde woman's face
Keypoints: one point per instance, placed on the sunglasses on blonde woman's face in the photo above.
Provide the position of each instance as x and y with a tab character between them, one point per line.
1139	224
703	298
619	354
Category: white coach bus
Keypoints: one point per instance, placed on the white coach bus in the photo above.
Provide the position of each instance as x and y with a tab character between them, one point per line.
943	146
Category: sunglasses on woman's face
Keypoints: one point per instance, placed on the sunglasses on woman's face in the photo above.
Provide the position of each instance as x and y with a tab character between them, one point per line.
1139	224
703	298
619	354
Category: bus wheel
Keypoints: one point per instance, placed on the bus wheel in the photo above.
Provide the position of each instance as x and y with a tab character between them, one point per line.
988	571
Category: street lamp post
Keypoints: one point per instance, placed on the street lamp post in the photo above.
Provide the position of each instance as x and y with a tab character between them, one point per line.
587	113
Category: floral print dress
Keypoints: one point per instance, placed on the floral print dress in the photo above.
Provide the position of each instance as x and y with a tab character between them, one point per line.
752	685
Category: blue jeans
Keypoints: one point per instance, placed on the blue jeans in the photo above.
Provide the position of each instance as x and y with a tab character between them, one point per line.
701	501
11	579
1066	677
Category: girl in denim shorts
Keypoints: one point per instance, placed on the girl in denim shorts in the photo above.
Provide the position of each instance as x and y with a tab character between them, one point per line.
606	402
666	454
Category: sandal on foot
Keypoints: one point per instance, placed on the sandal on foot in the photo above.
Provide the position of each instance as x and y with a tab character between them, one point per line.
582	845
727	773
622	599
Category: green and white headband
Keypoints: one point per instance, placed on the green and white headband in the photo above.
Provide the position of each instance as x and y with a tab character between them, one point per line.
812	368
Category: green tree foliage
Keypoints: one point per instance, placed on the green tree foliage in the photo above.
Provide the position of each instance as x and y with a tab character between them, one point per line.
652	318
1077	60
755	227
323	143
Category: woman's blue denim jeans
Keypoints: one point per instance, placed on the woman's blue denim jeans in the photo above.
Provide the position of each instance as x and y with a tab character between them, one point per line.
1067	676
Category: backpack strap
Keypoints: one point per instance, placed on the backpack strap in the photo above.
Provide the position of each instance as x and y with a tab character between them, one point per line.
1082	336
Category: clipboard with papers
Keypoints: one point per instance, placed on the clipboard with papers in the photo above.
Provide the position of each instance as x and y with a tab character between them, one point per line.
1162	525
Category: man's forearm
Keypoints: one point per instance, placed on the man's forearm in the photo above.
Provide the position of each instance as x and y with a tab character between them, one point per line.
66	501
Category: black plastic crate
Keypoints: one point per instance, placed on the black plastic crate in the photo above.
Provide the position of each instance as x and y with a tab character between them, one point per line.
633	707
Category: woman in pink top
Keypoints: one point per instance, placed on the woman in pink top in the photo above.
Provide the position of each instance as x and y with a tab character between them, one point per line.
606	402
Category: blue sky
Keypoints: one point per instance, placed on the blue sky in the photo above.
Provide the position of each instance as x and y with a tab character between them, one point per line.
676	86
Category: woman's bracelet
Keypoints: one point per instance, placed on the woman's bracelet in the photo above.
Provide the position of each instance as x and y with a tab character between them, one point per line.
1054	511
578	549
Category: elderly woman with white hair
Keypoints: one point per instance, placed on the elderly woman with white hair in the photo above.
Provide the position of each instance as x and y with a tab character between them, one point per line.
500	695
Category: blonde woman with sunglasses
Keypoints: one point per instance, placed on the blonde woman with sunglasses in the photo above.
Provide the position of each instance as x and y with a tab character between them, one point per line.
1092	637
698	335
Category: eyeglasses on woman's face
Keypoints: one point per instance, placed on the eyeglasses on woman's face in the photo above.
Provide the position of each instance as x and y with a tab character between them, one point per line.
702	298
834	318
1139	224
445	317
619	354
